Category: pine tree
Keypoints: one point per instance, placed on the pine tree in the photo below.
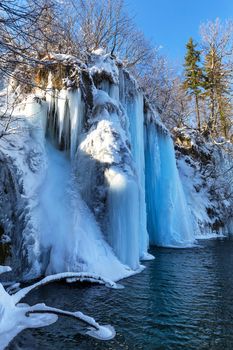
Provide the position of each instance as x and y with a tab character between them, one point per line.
193	76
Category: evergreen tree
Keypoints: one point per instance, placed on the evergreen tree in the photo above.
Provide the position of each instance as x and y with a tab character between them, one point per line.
193	76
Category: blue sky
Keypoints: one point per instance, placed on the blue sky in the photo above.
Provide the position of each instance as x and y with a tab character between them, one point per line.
170	23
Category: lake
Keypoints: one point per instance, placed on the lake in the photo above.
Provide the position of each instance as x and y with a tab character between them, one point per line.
182	300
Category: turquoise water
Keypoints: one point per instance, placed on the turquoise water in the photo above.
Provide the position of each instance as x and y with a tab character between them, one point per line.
182	300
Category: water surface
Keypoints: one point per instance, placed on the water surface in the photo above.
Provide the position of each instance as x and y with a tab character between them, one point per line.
182	300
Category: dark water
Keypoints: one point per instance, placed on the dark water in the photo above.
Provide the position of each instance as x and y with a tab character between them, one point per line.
182	300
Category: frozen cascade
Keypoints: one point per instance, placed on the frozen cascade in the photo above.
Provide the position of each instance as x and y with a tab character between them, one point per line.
110	186
134	106
68	235
169	219
123	233
70	232
123	190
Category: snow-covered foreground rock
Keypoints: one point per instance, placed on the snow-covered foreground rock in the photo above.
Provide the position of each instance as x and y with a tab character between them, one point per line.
16	316
96	177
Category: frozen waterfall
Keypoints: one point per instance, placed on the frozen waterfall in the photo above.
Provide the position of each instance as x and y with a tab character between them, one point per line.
100	176
67	232
169	219
123	233
134	106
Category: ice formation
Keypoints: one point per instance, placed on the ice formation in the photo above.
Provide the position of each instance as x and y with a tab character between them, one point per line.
99	175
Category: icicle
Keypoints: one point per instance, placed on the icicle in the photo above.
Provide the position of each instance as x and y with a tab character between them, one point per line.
77	109
61	112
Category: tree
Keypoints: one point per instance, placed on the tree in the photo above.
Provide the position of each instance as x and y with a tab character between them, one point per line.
93	24
218	49
193	76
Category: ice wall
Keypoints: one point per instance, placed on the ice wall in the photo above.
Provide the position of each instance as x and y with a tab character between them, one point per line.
169	219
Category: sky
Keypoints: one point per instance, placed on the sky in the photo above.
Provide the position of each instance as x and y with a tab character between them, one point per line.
170	23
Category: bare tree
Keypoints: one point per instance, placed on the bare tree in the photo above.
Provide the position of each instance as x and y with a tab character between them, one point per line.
164	90
93	24
217	43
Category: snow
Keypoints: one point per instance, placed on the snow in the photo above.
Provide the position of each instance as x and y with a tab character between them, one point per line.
74	276
13	319
61	233
103	64
197	201
96	182
4	269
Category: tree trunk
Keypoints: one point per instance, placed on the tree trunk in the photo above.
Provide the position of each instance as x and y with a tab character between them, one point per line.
198	113
213	115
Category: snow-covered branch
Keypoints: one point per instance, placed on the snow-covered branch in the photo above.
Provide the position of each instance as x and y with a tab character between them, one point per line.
75	276
15	317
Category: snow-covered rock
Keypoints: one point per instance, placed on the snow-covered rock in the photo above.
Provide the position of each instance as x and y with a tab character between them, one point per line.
206	171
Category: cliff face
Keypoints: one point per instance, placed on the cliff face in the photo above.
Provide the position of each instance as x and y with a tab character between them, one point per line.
206	170
95	176
9	193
